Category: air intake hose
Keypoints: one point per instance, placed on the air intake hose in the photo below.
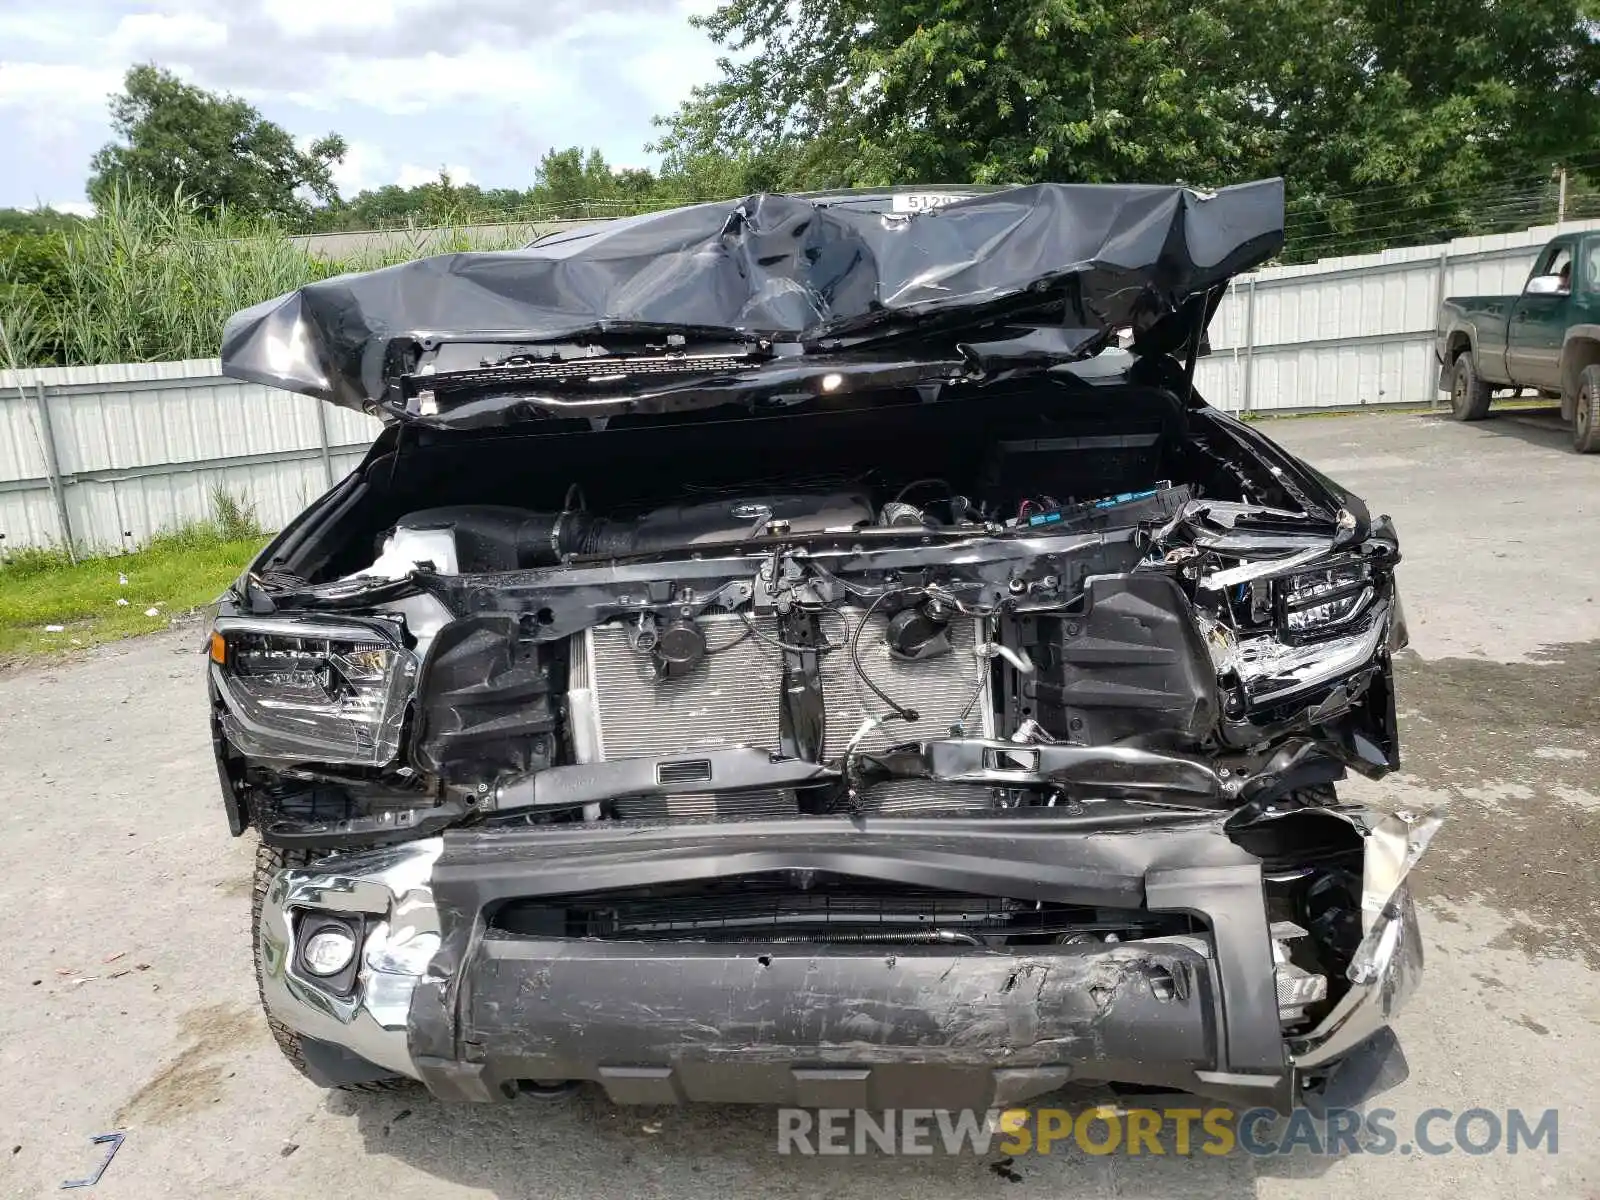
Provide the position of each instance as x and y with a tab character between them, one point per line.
500	538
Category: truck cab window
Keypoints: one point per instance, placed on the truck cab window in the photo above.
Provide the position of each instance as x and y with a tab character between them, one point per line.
1557	264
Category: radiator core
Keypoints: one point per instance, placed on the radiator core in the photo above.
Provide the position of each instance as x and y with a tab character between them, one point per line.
620	709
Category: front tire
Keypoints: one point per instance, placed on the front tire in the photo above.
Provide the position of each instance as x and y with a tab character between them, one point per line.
269	861
1586	412
1469	394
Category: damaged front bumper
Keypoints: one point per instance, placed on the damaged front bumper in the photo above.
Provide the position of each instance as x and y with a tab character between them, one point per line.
439	993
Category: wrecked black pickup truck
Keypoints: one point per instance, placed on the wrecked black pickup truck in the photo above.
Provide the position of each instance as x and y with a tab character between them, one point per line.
796	651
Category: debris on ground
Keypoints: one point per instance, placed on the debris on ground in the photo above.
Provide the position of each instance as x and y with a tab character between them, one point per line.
1006	1171
114	1141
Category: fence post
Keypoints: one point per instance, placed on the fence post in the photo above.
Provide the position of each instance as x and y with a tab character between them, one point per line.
52	468
1249	344
322	441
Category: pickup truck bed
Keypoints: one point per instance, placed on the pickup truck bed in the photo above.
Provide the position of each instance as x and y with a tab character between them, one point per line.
1546	339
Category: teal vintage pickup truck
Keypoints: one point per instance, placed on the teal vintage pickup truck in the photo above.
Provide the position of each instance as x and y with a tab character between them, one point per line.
1547	339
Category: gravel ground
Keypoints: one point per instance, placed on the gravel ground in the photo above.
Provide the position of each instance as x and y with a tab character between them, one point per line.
126	999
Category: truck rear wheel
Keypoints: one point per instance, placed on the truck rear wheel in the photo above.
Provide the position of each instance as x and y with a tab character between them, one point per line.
269	861
1469	395
1586	413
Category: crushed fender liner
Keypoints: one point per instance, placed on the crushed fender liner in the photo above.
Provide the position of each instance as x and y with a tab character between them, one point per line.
841	1024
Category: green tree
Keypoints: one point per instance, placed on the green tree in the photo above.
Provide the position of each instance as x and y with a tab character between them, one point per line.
1389	121
217	150
873	92
570	179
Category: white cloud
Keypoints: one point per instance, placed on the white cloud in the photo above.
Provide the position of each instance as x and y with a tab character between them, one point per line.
39	28
77	208
486	85
311	18
401	87
666	73
150	32
46	86
411	175
360	169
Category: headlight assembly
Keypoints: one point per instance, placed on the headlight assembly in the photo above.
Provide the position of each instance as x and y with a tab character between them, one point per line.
301	690
1321	602
1272	669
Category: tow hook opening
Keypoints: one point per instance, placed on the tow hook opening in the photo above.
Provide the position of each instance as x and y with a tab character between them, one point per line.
549	1091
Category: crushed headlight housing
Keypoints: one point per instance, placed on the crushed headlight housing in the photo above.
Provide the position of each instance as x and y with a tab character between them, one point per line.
1272	669
1318	603
312	691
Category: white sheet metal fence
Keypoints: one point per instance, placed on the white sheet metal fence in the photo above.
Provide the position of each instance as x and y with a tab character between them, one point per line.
100	458
103	457
1353	331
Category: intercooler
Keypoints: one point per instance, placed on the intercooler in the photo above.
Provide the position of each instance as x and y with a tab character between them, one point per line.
621	709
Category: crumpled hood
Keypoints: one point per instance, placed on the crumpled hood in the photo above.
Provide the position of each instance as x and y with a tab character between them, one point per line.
831	272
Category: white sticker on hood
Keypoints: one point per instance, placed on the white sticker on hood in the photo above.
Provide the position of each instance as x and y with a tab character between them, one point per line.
915	202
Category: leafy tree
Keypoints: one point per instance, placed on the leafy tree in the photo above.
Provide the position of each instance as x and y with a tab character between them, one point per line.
873	92
217	150
1389	121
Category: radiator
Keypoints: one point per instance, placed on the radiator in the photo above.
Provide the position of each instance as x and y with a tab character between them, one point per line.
620	709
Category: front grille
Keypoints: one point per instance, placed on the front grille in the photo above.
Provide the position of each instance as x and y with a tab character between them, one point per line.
684	770
818	907
710	806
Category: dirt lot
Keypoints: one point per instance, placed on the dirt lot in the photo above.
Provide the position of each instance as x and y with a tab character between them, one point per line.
126	999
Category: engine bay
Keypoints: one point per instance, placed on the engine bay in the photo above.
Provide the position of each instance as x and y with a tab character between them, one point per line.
866	642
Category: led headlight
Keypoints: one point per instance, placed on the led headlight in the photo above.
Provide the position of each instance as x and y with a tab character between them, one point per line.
1314	603
313	691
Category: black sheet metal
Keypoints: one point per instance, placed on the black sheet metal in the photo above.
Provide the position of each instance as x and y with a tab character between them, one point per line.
1077	262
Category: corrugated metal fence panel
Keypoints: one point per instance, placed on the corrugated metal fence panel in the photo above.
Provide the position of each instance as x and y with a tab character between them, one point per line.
1354	330
140	448
27	518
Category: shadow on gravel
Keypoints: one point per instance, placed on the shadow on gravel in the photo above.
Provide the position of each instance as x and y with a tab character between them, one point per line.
1515	747
1542	427
587	1146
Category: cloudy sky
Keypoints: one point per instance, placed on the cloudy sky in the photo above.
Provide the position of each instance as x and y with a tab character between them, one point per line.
481	86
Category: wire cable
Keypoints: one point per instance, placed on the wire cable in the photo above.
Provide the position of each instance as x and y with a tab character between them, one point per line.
785	646
900	710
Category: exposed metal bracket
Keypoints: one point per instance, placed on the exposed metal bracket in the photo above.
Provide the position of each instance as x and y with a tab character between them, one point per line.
114	1141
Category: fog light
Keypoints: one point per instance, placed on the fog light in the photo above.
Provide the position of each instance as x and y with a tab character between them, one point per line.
328	951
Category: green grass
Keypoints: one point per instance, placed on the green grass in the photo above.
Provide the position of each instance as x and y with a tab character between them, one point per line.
176	572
